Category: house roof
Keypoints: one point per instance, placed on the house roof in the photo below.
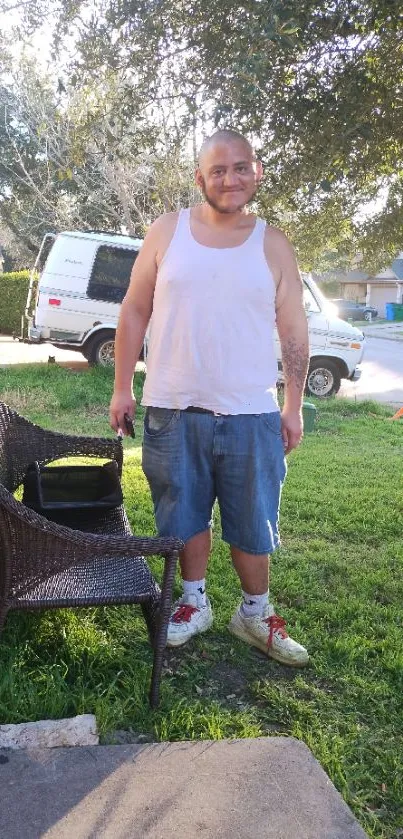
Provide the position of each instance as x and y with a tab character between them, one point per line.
356	276
388	276
397	267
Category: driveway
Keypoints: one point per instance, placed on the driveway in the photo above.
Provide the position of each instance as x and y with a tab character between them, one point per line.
14	352
382	367
382	374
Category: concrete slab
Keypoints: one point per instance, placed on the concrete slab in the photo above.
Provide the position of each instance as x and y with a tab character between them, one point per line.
50	734
265	788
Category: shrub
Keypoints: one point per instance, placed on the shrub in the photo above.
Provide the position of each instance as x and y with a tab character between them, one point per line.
330	288
13	296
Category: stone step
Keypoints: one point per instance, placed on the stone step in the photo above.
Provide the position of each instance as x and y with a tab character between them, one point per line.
263	788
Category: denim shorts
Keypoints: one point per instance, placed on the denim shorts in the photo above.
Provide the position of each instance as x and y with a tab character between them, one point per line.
192	459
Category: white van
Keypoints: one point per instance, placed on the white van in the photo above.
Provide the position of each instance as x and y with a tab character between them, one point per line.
81	286
84	279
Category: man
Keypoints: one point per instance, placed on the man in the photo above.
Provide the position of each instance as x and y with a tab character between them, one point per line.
215	279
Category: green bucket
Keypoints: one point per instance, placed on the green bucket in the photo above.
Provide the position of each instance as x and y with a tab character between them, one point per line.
309	414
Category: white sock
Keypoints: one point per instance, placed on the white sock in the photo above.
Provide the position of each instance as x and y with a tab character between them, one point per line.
254	604
196	588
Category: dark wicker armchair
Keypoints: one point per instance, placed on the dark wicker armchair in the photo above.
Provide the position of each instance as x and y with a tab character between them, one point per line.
94	561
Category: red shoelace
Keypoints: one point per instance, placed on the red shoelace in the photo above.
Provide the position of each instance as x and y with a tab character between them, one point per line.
275	624
183	613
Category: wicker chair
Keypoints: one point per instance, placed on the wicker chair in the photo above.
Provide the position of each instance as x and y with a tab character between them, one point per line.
86	561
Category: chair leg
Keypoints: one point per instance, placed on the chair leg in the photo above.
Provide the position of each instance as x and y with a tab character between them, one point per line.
150	610
3	614
160	639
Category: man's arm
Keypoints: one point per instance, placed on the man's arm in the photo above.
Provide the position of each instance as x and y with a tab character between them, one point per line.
134	316
292	328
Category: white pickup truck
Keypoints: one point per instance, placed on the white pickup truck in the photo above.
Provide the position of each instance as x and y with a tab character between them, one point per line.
83	278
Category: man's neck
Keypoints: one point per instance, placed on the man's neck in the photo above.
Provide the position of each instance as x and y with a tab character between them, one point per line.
227	221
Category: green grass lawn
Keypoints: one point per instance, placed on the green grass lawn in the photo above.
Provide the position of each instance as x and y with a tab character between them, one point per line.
337	579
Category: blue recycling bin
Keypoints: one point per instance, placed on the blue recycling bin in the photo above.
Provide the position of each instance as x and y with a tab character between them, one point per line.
390	311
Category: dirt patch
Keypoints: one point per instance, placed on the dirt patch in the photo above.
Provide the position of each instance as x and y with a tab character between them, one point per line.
228	679
122	737
222	681
81	366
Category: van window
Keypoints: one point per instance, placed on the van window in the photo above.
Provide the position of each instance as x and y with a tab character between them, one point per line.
47	244
310	303
110	274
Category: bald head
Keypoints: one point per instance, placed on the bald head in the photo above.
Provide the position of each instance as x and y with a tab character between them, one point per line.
225	136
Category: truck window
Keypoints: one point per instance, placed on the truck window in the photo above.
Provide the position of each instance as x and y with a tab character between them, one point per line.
110	274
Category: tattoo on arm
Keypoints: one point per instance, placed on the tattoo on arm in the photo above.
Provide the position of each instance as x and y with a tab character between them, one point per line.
295	358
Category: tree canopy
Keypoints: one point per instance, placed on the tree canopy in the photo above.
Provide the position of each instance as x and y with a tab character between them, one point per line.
317	86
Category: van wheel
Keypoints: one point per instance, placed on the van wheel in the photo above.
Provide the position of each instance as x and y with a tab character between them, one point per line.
101	350
323	379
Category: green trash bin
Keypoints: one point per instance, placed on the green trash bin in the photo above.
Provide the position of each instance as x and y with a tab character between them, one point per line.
398	309
309	414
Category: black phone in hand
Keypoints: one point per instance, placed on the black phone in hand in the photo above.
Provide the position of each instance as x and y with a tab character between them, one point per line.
129	425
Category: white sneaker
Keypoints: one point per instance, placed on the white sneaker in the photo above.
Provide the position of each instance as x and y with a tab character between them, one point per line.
188	619
268	634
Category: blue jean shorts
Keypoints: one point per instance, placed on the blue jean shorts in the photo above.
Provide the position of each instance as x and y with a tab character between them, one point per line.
192	459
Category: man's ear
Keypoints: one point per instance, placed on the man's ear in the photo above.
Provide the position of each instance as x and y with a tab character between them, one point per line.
199	178
259	170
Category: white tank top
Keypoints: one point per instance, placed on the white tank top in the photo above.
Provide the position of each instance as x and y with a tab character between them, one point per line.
211	333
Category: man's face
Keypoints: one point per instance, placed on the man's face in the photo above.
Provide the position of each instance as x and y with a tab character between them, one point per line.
228	176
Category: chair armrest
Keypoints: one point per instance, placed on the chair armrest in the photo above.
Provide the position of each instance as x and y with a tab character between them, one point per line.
120	545
70	444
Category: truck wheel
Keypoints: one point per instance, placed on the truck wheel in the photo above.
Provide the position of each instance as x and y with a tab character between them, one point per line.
101	350
323	379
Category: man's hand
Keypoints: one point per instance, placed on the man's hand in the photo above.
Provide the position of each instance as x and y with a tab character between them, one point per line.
122	403
292	429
